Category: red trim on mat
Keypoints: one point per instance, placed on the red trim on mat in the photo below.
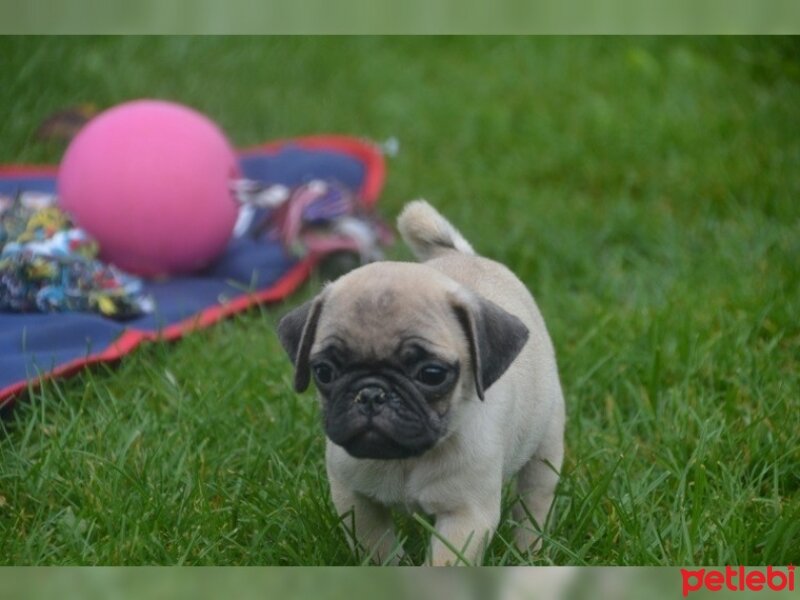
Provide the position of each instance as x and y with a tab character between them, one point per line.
131	339
28	170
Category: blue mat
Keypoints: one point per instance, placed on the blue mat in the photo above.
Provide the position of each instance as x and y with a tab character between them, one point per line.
35	345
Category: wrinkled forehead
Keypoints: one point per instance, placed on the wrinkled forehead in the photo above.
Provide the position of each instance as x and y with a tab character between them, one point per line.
374	318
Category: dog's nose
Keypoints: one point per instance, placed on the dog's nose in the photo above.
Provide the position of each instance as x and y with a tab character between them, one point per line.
370	398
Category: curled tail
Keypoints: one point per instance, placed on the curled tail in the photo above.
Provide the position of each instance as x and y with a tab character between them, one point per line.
428	233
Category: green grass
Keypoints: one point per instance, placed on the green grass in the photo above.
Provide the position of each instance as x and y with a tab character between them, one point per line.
646	190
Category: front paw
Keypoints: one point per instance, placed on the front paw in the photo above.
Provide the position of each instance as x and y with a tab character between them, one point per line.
526	539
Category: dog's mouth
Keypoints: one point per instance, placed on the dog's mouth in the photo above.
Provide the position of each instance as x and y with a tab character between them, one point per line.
380	437
371	442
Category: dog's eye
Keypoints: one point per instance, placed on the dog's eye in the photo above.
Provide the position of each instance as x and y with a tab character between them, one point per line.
323	373
432	375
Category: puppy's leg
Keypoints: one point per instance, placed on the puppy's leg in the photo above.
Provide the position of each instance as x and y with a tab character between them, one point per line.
536	484
374	530
468	530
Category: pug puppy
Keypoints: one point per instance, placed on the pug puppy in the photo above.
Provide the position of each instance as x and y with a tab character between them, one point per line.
438	382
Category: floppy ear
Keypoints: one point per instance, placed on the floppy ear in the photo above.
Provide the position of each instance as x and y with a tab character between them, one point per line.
296	330
494	335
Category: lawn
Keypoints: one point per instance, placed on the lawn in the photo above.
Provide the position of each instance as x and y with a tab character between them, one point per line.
646	190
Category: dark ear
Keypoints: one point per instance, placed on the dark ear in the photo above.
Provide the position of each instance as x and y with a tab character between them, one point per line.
495	338
296	331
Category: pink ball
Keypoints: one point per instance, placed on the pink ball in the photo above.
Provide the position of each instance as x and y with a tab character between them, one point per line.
149	180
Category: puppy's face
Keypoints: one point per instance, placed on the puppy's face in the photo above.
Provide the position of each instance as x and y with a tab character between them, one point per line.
395	349
390	402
